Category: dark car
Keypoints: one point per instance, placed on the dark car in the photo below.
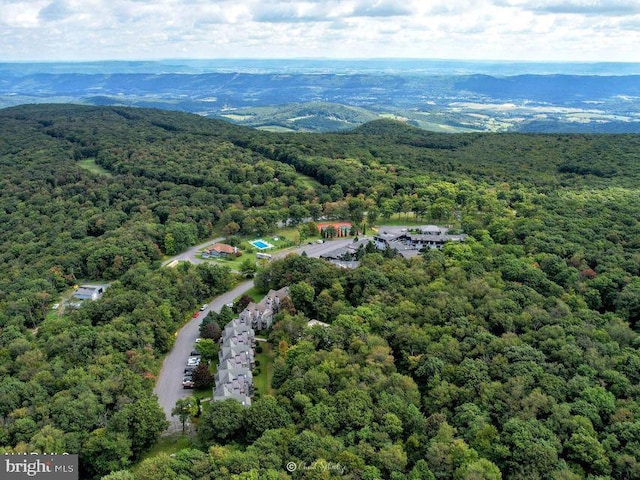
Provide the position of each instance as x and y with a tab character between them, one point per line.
187	381
195	353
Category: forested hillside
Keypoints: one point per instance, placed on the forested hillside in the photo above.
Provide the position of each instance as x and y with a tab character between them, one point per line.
513	355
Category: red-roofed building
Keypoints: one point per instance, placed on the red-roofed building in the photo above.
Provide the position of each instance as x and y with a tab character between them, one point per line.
341	229
221	250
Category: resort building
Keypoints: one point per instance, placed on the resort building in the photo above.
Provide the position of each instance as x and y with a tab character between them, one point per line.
410	241
337	229
236	357
218	250
261	314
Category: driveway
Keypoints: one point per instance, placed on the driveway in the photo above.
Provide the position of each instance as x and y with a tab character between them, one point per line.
191	254
169	385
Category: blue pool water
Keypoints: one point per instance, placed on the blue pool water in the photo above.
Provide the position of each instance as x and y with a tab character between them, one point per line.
261	244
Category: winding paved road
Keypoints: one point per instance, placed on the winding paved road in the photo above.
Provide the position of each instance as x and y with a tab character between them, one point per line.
169	385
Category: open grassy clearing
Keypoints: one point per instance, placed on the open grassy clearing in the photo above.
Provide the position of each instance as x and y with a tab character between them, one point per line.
285	239
90	165
309	181
254	294
275	128
262	381
400	219
238	116
168	444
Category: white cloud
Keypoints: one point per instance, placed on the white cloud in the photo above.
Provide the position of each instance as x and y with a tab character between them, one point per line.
580	7
475	29
381	8
19	14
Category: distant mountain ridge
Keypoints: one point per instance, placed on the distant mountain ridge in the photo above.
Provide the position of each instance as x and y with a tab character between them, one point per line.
310	66
440	102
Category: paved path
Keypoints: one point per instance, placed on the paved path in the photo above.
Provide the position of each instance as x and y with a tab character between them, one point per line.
191	254
169	385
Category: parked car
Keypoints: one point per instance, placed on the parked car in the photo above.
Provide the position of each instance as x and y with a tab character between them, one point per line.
189	370
198	340
187	381
193	361
203	307
196	315
195	353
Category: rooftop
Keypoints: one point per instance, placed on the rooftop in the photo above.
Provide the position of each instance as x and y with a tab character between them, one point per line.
221	248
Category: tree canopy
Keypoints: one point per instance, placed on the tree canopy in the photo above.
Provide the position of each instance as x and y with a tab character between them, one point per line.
511	355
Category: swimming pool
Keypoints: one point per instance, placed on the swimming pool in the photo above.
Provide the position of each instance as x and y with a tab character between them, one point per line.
261	244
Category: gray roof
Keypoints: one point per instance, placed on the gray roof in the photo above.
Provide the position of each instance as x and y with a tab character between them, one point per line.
238	340
240	375
240	334
244	353
88	291
239	323
226	392
234	362
352	247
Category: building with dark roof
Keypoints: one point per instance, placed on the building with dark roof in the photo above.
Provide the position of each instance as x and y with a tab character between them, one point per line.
410	241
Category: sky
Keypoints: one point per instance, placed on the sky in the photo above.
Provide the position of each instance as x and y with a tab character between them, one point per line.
536	30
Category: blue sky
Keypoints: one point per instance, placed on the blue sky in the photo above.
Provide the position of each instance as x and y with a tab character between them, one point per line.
538	30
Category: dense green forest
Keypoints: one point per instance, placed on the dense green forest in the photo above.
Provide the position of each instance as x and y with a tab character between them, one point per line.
513	355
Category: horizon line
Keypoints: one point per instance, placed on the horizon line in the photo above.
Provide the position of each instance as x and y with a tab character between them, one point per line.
321	59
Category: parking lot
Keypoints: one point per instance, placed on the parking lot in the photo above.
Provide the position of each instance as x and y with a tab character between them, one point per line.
169	385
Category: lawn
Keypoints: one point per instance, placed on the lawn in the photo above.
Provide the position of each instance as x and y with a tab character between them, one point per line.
249	251
275	128
254	294
401	219
262	381
309	181
166	444
90	165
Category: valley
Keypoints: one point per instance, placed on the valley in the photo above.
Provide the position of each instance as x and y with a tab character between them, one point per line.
333	96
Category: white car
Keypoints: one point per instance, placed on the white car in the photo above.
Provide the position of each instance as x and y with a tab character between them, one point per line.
203	307
193	361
